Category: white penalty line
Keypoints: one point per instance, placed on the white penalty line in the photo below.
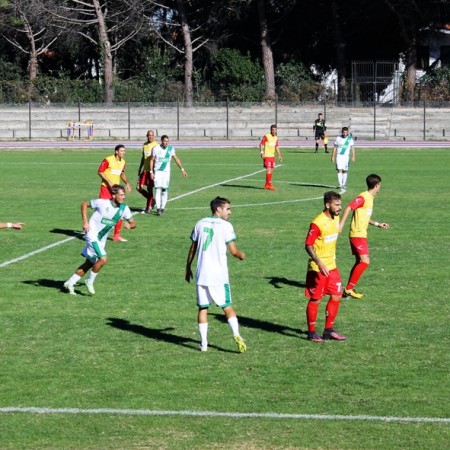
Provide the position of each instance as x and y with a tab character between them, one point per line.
212	414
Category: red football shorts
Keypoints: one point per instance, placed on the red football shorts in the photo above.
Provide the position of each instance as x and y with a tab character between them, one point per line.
145	180
318	285
105	193
269	163
359	246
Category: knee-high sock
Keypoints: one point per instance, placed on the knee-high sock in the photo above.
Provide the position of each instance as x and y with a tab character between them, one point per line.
355	274
311	315
164	197
331	312
158	192
118	227
203	330
234	324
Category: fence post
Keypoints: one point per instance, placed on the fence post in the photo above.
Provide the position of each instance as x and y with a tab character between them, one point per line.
178	119
424	120
29	119
276	110
374	120
129	120
228	119
79	120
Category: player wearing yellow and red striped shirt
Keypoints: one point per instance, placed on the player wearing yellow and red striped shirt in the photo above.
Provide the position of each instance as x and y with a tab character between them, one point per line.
322	277
362	207
145	183
111	171
268	146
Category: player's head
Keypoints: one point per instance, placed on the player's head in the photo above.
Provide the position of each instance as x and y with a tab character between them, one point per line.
372	180
344	131
164	140
119	151
332	202
150	135
319	115
273	129
220	206
118	193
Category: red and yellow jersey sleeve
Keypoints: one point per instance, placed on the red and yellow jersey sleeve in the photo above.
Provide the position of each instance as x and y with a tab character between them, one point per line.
112	169
322	236
270	144
362	207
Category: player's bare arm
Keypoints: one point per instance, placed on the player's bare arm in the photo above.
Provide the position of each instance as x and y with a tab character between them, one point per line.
84	216
130	224
14	225
232	248
383	225
322	267
344	218
178	161
191	255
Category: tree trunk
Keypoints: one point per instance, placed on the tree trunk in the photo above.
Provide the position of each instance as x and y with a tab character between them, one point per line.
267	54
32	59
410	64
188	55
106	53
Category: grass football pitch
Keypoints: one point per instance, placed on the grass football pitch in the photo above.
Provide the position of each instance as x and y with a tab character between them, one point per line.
120	370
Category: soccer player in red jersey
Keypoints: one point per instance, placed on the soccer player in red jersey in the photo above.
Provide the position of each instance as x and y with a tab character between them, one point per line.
362	207
322	277
268	146
111	171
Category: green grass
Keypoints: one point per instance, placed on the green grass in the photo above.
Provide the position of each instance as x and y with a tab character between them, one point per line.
133	345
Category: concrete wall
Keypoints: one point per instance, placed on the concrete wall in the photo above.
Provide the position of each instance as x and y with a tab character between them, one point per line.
218	122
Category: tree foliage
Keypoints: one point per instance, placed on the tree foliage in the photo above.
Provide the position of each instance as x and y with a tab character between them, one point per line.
191	49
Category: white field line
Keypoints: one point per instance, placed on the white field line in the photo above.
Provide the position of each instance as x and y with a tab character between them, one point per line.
148	412
39	250
55	244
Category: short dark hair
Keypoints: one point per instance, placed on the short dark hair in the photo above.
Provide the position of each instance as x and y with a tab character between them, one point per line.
164	136
344	129
217	203
118	147
372	180
273	126
115	188
329	196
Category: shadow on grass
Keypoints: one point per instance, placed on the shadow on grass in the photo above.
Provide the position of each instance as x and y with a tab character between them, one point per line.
277	282
74	233
159	334
327	186
263	325
52	284
242	186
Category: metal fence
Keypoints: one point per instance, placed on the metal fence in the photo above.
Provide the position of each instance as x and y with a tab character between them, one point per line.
225	120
